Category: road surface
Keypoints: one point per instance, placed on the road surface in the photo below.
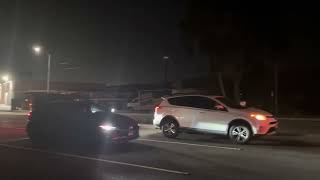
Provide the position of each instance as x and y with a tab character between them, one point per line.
288	155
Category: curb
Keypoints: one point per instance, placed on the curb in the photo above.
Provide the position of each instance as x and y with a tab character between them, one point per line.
298	119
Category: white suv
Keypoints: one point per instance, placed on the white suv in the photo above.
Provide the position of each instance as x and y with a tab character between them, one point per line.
212	114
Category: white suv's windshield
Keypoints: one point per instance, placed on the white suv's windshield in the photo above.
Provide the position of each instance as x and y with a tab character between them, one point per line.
230	103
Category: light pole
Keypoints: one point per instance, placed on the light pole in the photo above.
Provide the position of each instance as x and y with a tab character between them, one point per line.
165	61
276	88
38	50
48	73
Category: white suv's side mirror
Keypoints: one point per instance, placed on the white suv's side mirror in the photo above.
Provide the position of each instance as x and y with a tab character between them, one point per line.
220	107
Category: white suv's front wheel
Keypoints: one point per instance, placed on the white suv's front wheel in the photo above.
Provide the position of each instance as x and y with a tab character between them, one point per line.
170	129
240	133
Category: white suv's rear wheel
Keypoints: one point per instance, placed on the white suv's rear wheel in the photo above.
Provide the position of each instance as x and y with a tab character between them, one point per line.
170	129
240	133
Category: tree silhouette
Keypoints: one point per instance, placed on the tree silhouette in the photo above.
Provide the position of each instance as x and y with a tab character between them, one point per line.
224	37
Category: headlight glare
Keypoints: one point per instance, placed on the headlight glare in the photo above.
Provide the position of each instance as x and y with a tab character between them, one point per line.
259	117
107	127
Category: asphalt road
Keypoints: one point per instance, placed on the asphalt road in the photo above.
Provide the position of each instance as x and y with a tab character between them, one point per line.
289	155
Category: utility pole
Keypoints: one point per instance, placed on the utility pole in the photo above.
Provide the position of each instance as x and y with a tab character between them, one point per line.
221	84
275	88
165	62
37	50
48	73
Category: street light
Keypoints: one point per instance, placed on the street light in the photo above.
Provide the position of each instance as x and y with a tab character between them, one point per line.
37	50
165	61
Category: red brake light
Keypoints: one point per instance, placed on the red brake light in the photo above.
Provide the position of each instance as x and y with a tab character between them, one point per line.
156	108
29	115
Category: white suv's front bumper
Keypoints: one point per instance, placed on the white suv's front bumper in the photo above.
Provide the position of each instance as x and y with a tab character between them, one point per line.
267	127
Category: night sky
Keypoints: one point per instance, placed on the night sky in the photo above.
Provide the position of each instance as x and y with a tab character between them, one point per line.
112	41
124	41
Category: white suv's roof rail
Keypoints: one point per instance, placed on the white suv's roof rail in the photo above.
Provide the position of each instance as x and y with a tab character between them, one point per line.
181	95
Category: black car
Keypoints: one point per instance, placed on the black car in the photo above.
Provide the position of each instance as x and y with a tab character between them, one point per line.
81	122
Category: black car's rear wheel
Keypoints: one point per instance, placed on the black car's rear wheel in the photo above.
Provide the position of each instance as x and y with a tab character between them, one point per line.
32	135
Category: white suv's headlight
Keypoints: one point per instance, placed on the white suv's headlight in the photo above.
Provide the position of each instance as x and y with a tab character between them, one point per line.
107	127
259	117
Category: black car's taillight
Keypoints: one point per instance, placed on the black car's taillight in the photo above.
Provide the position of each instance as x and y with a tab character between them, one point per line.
29	115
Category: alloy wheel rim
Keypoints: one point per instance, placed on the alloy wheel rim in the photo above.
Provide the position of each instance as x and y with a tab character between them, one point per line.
170	128
240	133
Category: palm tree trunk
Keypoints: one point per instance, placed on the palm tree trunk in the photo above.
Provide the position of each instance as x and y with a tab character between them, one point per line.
236	90
221	84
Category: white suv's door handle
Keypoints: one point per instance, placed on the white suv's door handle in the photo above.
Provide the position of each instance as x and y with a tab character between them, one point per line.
202	112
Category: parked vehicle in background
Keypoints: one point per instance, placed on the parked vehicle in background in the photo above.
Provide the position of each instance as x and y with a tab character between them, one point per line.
143	104
80	122
214	115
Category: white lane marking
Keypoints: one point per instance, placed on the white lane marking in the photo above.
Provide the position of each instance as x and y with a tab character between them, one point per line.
189	144
13	128
14	140
95	159
14	113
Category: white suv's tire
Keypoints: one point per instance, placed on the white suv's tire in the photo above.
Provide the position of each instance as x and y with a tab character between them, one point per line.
170	128
240	133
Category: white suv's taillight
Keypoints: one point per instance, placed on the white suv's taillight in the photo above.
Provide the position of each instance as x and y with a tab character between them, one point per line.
156	109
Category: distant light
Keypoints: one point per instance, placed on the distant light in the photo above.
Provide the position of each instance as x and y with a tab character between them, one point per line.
5	78
37	49
107	127
165	57
113	110
243	103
